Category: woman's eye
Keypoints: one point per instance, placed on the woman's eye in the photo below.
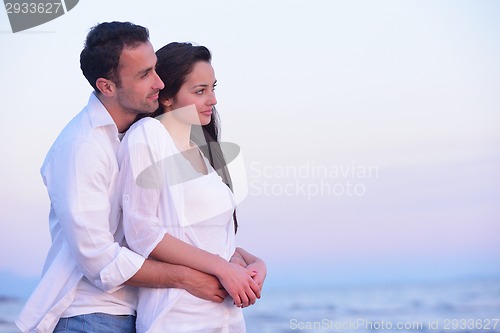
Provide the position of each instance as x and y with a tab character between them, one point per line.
199	92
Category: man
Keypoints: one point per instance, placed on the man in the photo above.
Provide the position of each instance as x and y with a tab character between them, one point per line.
89	274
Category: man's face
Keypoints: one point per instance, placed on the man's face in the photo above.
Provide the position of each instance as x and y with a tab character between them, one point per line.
138	92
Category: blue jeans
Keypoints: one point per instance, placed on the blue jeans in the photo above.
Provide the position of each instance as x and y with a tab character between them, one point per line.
96	323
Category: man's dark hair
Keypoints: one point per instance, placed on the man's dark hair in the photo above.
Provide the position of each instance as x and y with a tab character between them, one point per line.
100	56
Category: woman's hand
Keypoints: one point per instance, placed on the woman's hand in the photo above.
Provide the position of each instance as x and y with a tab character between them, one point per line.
260	270
248	260
238	259
239	284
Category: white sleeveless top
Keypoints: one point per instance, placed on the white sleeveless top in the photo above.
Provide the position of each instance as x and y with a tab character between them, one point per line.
194	207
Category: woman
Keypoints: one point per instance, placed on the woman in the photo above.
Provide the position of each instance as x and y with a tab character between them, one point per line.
178	206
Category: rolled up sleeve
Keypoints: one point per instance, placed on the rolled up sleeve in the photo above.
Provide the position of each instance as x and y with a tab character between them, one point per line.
119	270
81	180
142	180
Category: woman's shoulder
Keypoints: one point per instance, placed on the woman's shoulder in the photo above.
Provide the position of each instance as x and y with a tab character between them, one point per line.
146	122
147	126
152	133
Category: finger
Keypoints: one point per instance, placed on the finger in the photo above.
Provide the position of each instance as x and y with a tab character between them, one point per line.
220	295
259	280
237	302
251	272
244	300
217	299
236	299
251	295
255	288
252	299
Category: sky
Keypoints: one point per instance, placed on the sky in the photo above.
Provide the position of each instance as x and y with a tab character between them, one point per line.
369	130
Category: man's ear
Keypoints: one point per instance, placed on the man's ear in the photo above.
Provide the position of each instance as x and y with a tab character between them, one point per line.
105	86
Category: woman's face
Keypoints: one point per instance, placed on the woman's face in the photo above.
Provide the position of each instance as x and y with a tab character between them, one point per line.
197	91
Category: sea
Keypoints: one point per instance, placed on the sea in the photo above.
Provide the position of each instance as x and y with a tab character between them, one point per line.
444	306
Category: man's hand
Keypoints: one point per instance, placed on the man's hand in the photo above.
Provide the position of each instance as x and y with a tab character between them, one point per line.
157	274
204	286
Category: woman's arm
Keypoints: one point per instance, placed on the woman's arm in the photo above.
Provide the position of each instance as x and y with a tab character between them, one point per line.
249	261
143	184
237	281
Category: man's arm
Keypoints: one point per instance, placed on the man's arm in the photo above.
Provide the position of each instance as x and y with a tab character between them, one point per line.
77	174
156	274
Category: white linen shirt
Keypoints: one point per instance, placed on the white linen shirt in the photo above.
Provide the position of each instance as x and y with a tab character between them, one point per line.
162	193
87	263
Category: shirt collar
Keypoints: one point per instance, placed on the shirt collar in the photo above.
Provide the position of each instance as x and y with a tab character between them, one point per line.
99	116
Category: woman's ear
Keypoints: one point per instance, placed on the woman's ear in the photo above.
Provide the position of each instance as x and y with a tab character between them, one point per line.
105	86
167	103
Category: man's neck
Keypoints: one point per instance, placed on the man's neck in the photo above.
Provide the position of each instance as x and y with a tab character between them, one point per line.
121	118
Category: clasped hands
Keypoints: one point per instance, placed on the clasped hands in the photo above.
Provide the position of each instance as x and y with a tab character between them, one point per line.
246	278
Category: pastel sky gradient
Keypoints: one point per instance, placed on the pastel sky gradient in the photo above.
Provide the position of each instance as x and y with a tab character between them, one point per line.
409	88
